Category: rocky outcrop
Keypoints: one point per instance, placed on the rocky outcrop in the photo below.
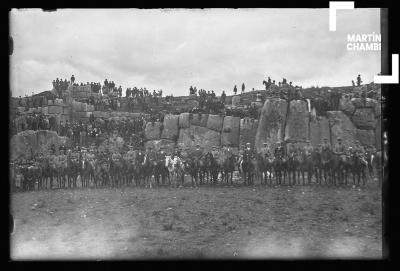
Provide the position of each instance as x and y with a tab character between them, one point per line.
235	101
164	144
153	130
296	129
347	106
272	122
215	122
170	127
248	130
189	137
199	120
319	129
341	126
230	132
184	120
28	143
366	137
364	118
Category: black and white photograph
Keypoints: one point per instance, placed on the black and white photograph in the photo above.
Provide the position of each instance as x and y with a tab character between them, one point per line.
216	133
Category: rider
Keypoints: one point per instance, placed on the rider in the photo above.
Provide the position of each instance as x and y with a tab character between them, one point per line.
325	145
308	149
292	150
214	151
279	151
248	152
265	151
197	152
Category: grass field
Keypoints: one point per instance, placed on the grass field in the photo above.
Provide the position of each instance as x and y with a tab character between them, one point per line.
206	222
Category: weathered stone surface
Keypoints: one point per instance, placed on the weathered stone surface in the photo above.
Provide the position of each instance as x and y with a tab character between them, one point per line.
296	129
272	119
347	106
366	137
319	129
189	137
358	102
28	143
248	130
377	109
184	120
364	118
341	126
231	131
170	127
165	144
199	120
153	130
215	122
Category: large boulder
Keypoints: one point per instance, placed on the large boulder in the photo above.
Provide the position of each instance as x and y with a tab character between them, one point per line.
189	137
153	130
364	118
296	129
28	143
215	122
165	144
248	130
170	127
319	129
366	137
347	106
341	126
271	124
231	131
184	120
199	120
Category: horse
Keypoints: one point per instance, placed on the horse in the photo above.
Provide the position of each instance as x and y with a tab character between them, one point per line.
246	167
291	168
305	165
212	167
72	171
192	168
116	171
86	172
228	167
176	169
358	168
326	156
279	165
146	169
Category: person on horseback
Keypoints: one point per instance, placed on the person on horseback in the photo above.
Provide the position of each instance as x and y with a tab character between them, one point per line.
279	151
197	152
325	145
265	152
308	149
340	148
214	152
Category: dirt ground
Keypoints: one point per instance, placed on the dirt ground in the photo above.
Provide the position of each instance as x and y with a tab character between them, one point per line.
207	222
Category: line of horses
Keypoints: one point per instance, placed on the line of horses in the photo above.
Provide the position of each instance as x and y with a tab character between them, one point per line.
324	167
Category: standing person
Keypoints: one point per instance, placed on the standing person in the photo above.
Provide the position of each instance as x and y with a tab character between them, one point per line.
72	80
223	97
243	88
359	80
235	89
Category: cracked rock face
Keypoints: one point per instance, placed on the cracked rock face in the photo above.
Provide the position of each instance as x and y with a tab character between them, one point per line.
364	118
189	137
341	126
170	127
271	125
153	130
319	129
29	142
297	120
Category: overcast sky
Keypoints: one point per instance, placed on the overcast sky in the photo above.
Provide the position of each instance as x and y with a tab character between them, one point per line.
174	49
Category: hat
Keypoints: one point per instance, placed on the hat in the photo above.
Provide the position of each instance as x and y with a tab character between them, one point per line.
248	143
265	143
